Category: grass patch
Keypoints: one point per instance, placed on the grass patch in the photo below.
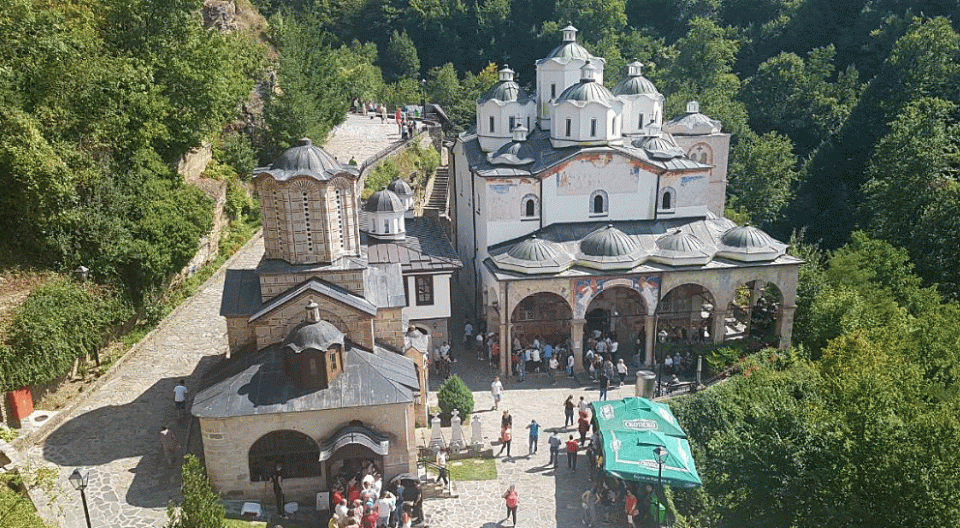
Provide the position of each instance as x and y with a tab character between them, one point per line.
16	510
472	469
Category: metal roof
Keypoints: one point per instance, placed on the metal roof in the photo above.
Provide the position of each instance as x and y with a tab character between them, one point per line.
545	156
306	159
321	287
587	91
241	293
255	384
505	91
384	201
425	249
313	335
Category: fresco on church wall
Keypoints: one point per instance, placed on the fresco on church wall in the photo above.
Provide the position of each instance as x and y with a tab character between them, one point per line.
504	196
614	174
585	290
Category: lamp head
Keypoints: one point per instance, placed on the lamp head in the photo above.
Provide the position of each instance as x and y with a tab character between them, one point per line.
79	478
661	454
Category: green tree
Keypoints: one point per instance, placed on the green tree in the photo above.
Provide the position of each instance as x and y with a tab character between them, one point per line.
201	506
454	394
594	17
401	60
761	178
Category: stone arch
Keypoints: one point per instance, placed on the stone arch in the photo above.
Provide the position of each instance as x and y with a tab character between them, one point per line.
544	314
298	453
617	311
753	310
680	312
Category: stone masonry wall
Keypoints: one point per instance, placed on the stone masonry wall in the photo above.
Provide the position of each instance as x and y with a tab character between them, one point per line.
275	326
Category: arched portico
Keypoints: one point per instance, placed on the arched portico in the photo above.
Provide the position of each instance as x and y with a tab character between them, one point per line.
619	312
686	313
296	452
754	311
545	316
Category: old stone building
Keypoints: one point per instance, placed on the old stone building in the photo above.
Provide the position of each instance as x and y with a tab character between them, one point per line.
580	209
321	371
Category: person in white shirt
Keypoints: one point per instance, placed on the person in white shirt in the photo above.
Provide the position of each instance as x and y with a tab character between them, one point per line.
385	506
570	362
180	396
467	332
496	390
614	346
621	371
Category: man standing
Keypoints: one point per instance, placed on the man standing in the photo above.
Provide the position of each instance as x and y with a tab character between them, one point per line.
572	447
534	436
604	384
180	396
277	480
554	442
496	390
570	362
168	444
467	333
442	465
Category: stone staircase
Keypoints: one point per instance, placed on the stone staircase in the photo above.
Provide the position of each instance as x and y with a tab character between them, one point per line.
431	488
437	201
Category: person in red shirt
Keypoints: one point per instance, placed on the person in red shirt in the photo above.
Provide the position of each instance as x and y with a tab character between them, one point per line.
572	447
630	507
512	498
583	425
370	519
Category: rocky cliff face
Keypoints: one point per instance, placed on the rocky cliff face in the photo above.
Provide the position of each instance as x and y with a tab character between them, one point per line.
220	15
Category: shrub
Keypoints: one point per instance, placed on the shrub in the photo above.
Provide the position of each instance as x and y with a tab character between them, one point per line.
454	394
201	507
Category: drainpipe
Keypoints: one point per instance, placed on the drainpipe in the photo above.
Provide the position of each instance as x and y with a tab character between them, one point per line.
473	216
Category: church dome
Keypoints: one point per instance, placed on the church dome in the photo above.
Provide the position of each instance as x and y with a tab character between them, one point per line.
506	90
306	159
309	335
588	90
608	242
635	83
692	123
400	187
569	49
659	148
517	152
747	237
536	249
384	201
680	242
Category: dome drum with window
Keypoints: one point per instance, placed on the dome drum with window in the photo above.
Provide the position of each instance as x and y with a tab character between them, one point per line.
385	213
503	108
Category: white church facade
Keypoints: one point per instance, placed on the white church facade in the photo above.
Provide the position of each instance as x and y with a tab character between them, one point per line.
580	208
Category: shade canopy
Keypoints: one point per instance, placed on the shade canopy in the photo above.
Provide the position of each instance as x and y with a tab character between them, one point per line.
630	432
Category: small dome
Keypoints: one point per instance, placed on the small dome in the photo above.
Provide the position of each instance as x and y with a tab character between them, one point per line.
384	201
587	91
319	335
570	50
513	153
400	187
635	83
505	91
608	242
536	249
307	159
680	242
658	147
747	237
692	123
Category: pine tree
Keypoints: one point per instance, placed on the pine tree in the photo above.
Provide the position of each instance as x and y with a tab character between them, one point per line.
201	506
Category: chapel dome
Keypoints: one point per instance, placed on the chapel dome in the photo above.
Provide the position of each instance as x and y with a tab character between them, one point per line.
680	242
692	123
506	90
608	242
658	147
399	187
747	237
635	83
310	335
568	48
384	201
306	159
588	90
517	152
535	249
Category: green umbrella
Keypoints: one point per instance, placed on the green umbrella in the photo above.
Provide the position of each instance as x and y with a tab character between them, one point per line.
629	455
636	414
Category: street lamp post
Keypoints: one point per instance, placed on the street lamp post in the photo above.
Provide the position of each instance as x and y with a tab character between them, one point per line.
661	453
663	338
79	479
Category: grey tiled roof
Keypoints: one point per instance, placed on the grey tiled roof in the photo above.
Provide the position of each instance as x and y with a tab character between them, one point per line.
425	249
321	287
545	156
383	285
241	293
255	384
306	159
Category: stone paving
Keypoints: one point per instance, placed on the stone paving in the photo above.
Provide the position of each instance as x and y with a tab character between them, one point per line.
548	498
115	431
361	137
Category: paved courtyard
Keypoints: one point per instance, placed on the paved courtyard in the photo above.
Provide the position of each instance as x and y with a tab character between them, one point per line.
361	137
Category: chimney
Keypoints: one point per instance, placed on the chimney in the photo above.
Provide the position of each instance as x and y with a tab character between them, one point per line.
313	312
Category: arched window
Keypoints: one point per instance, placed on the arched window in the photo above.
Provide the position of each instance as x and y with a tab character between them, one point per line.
667	199
531	206
296	452
598	203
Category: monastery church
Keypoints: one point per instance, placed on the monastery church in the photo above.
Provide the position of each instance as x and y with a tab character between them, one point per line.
578	208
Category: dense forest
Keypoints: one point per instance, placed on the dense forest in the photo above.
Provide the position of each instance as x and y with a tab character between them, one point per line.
845	117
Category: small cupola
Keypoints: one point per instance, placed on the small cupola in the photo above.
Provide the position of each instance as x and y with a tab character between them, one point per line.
506	74
635	69
385	213
520	134
403	191
692	123
313	351
588	73
569	33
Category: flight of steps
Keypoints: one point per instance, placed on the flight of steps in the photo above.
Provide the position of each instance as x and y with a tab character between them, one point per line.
438	197
432	489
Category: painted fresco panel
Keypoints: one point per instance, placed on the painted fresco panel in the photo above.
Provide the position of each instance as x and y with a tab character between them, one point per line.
601	170
585	290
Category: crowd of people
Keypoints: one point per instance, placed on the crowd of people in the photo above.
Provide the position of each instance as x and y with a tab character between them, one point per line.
360	499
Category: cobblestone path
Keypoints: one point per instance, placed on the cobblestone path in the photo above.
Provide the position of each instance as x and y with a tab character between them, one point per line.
115	432
361	137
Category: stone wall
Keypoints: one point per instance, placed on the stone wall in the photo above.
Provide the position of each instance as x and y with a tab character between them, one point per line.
227	443
388	327
275	326
272	285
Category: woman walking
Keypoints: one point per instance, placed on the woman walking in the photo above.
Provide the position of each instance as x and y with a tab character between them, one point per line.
621	371
568	406
512	499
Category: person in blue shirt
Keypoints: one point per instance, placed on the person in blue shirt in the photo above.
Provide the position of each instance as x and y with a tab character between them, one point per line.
547	352
534	436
